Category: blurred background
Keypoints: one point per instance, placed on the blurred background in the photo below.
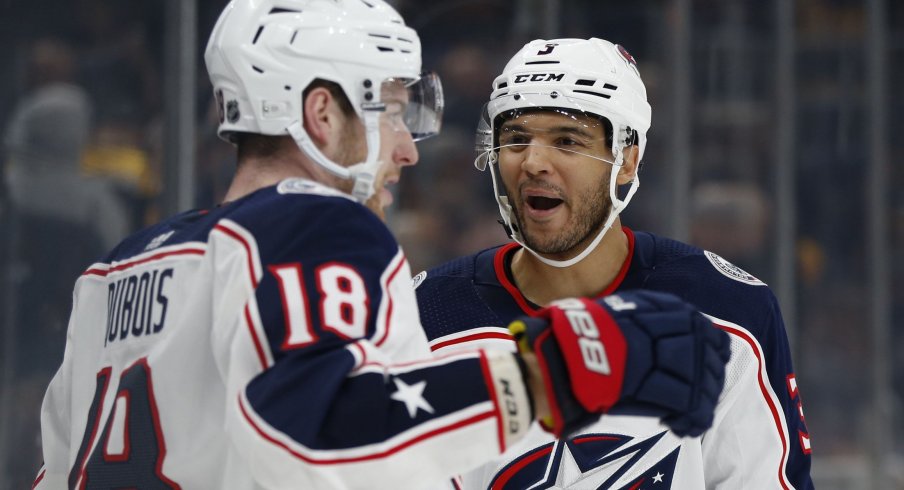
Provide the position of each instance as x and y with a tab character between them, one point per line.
777	142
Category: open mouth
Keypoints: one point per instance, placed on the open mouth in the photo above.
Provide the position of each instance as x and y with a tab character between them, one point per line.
542	203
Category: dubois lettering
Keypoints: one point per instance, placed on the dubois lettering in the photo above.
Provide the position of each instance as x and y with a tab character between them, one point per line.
136	305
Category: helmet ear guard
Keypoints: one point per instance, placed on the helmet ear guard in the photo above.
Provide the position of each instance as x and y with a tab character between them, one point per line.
592	77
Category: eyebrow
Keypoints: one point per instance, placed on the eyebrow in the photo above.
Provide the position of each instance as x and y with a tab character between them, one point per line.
555	129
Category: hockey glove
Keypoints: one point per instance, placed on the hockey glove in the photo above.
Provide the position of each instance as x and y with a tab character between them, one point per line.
640	347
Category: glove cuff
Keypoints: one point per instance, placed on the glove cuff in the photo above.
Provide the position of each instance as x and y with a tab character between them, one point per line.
507	382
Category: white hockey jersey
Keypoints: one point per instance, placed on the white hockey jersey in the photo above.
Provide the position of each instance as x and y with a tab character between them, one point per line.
758	440
272	342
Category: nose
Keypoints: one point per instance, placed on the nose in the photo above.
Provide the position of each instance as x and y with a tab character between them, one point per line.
405	152
536	160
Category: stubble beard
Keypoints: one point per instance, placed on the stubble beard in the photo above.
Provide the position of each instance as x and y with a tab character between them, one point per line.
353	152
590	213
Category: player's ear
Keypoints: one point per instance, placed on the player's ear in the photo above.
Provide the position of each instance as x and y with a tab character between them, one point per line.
321	119
629	165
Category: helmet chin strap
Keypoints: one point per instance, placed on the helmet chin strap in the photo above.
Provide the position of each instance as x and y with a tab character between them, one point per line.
508	216
363	173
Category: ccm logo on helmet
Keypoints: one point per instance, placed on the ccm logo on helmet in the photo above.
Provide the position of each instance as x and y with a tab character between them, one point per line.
584	327
539	77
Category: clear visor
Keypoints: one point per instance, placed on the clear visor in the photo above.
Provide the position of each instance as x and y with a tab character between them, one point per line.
415	106
548	122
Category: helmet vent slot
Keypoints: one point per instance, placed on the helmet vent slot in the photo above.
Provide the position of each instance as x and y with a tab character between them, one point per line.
257	34
585	82
367	3
609	86
384	49
381	36
542	63
257	69
280	10
502	85
605	96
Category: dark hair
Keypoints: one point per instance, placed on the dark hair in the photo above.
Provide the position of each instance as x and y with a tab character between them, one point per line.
265	146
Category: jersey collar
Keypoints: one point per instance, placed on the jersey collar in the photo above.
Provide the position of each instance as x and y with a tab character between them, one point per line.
502	264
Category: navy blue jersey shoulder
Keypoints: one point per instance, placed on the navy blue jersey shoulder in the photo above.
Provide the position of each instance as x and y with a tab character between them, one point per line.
279	221
466	292
462	294
289	226
663	264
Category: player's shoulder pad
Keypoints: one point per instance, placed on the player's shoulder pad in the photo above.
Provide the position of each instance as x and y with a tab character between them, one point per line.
461	267
448	300
711	283
300	217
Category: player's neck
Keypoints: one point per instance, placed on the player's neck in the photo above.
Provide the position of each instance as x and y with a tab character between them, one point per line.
254	173
541	283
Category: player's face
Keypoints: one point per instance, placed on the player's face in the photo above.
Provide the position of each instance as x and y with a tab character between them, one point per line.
551	168
397	148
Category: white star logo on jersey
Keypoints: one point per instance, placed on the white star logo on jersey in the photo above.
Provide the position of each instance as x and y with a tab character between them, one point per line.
657	478
412	396
570	474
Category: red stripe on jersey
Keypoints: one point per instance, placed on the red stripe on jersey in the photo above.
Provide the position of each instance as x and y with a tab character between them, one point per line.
38	479
248	252
776	417
472	338
515	468
625	265
595	438
129	265
258	346
389	298
157	429
491	388
378	455
499	266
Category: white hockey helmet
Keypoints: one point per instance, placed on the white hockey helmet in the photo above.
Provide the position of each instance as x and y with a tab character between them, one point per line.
571	76
263	54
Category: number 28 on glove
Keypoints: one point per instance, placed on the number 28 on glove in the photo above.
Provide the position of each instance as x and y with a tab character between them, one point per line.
578	341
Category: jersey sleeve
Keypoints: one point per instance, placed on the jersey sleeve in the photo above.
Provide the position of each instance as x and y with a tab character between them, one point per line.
759	438
759	434
333	385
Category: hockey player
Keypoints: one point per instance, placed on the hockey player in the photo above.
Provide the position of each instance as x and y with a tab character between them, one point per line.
563	135
273	341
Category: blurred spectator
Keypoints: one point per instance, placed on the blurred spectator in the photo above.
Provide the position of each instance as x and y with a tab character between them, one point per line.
45	140
467	71
732	220
120	66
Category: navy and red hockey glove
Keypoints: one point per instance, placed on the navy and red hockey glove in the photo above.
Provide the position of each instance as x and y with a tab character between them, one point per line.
640	348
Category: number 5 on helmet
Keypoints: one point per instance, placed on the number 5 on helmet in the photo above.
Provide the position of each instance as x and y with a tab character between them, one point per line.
639	347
